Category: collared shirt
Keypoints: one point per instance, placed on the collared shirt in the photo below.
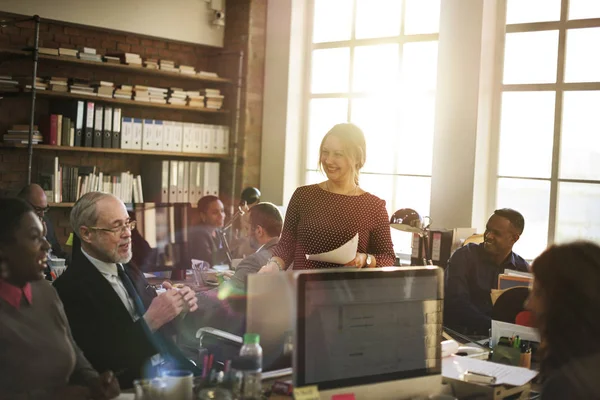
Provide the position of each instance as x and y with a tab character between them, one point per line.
13	294
470	277
109	271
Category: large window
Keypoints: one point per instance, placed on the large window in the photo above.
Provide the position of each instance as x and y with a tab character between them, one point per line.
374	63
549	120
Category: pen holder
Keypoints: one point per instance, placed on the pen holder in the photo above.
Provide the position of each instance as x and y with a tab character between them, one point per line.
506	355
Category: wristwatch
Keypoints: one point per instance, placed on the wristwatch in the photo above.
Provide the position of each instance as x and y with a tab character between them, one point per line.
369	260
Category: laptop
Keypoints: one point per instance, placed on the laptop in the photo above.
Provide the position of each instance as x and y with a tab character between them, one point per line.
373	332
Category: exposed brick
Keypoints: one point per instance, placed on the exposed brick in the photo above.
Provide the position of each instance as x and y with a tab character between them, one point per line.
12	30
137	49
174	46
69	30
132	40
117	38
108	45
62	38
78	41
187	48
48	43
124	47
167	54
151	51
147	42
159	44
13	177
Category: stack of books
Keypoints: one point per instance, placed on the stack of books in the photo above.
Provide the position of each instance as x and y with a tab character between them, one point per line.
104	88
214	98
48	51
58	84
67	52
177	96
208	74
128	58
124	92
112	59
81	86
150	94
20	134
167	65
8	84
40	84
187	70
151	63
89	54
195	99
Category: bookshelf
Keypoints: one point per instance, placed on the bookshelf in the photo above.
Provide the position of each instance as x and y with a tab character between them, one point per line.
117	151
60	205
12	53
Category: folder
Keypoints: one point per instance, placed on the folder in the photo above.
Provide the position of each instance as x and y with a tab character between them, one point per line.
188	137
186	182
107	127
88	133
98	122
198	134
116	129
127	133
147	134
158	135
173	174
177	136
136	140
167	136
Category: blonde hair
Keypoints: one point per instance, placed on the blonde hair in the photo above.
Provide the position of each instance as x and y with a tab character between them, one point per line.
355	146
84	212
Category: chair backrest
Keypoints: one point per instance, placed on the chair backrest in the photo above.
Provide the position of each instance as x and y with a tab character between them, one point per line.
474	238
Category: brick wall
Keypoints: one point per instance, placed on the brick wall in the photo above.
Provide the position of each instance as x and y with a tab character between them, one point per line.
245	26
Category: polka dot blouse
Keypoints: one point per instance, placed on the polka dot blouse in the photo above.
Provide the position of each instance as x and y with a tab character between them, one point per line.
318	221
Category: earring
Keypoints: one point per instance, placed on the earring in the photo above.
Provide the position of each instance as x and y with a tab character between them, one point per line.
4	274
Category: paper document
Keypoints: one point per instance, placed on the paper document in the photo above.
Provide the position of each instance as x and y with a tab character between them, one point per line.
454	367
342	255
512	272
500	329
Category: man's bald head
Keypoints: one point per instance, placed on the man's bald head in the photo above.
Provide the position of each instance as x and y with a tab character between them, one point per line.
35	195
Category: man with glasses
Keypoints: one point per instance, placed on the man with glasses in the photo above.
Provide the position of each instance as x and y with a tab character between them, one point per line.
116	318
35	195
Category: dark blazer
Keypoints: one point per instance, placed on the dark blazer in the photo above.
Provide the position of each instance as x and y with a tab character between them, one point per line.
101	325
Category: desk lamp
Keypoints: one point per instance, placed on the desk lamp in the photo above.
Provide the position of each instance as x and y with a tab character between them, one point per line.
408	220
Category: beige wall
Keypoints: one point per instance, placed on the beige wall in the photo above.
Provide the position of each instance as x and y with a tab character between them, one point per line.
185	20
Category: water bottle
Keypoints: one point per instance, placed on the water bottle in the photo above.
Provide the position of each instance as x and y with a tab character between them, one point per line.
251	352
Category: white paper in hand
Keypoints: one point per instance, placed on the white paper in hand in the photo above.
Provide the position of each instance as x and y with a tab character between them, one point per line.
342	255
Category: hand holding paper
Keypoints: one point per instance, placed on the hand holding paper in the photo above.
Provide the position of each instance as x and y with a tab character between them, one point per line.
342	255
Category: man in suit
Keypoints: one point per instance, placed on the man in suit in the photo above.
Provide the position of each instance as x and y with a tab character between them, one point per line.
116	318
35	195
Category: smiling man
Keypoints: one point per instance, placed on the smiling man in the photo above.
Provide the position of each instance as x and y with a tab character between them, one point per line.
117	319
473	270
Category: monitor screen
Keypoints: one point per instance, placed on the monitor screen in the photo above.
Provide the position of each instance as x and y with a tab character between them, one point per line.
362	327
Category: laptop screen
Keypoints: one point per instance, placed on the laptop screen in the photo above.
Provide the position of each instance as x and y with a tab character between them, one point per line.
362	327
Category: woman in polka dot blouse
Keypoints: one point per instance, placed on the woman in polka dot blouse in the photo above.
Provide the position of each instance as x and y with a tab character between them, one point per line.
322	217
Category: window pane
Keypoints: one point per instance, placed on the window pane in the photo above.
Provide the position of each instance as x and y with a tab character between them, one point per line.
323	115
419	65
332	20
412	192
531	57
527	123
313	177
422	16
583	55
330	70
378	18
532	199
582	9
518	11
376	68
415	138
580	139
578	215
381	186
378	118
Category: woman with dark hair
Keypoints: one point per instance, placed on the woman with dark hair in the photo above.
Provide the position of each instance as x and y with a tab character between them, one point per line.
40	360
205	242
323	217
565	302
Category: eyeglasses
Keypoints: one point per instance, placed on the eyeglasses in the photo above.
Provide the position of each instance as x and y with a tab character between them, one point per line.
119	230
39	210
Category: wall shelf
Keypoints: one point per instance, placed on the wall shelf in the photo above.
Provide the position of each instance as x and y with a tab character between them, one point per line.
116	151
12	53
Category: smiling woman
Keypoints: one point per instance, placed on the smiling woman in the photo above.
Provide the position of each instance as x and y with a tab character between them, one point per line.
39	356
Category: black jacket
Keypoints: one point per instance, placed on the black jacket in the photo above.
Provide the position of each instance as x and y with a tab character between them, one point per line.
101	325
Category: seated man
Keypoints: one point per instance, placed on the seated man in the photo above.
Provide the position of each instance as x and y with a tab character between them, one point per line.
473	270
116	318
266	223
35	195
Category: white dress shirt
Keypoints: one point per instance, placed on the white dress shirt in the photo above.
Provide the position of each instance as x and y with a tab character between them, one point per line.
109	271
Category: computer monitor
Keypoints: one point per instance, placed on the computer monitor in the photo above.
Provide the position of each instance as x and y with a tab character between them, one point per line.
373	332
270	313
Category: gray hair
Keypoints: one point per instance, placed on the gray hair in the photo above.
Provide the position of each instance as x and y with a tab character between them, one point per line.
84	212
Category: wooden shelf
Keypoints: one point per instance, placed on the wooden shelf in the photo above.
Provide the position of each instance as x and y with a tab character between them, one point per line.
116	151
11	53
60	205
133	103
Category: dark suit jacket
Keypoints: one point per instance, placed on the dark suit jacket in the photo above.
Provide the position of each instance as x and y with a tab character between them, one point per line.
57	250
101	325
